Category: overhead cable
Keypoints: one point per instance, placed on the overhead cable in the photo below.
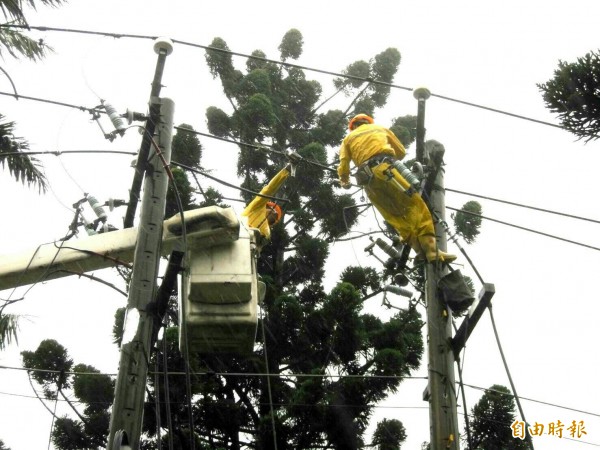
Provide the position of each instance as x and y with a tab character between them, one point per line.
298	375
52	102
218	180
257	146
524	228
282	63
510	380
522	206
65	152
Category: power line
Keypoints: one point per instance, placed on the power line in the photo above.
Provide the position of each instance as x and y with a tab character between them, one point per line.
282	63
522	205
265	147
375	406
65	152
524	228
52	102
532	400
218	180
308	405
295	375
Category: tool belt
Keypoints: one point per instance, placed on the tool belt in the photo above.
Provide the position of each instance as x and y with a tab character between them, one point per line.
364	173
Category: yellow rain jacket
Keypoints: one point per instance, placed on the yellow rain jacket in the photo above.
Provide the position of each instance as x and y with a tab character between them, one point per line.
408	215
256	211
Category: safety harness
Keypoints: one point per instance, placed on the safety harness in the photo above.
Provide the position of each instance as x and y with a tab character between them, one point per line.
364	173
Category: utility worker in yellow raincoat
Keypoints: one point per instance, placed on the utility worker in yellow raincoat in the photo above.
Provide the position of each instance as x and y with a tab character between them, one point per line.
261	212
373	149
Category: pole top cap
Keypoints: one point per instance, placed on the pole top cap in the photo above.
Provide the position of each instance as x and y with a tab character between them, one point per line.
163	44
421	93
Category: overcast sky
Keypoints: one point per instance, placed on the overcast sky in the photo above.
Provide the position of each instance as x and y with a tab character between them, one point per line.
489	54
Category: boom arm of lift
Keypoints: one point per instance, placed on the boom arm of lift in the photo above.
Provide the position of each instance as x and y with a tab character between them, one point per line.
220	290
205	227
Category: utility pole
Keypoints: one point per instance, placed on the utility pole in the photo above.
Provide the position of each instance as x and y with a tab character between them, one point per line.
130	390
440	392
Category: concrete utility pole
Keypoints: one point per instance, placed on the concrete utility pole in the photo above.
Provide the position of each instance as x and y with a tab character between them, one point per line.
440	392
163	48
130	389
128	407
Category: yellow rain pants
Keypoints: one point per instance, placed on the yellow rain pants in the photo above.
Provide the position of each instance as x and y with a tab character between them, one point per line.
256	211
408	215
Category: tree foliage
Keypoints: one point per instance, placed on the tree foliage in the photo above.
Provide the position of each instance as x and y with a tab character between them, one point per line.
467	221
53	369
492	416
574	94
308	330
186	147
22	167
378	73
17	44
389	435
49	362
9	326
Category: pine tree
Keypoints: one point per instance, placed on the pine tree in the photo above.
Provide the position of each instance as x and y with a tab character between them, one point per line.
492	416
309	333
52	368
573	94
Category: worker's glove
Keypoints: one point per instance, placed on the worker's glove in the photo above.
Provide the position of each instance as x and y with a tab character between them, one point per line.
345	184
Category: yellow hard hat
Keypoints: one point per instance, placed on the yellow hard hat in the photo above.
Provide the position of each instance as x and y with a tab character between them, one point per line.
361	117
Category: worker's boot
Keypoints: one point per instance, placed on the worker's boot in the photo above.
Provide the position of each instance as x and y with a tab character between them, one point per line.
431	251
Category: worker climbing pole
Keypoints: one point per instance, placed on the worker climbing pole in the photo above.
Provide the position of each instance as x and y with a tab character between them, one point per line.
376	152
399	196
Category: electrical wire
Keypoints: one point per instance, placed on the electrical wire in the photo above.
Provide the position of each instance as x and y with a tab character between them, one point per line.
16	94
52	423
299	375
512	384
270	394
167	392
536	401
40	279
460	366
282	63
91	277
522	205
65	152
37	395
218	180
524	228
157	402
52	102
263	147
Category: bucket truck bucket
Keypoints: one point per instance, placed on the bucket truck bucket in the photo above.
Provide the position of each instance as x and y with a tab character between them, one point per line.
220	297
